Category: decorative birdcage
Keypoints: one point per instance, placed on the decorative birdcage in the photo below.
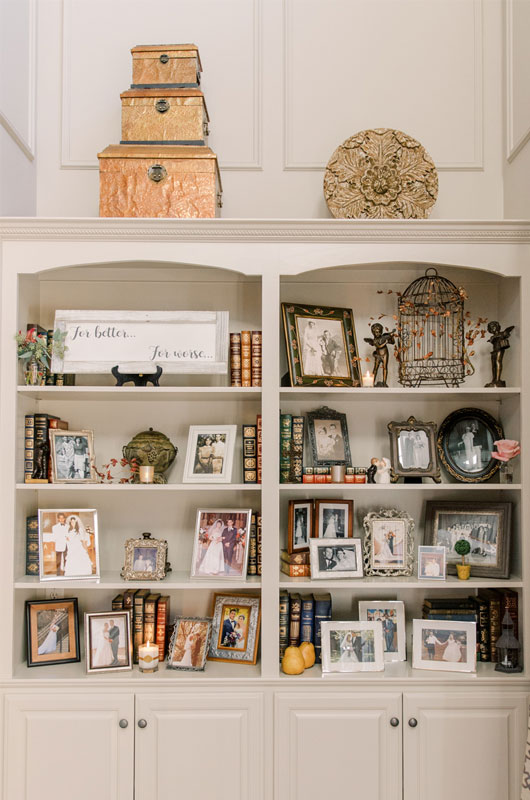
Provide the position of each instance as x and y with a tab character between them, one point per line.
431	332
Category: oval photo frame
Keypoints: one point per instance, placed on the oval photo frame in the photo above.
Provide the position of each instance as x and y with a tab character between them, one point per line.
462	438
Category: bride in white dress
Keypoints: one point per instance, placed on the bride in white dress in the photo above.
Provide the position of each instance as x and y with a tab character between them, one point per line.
213	562
347	652
453	649
78	561
385	553
311	358
49	645
330	531
186	658
103	655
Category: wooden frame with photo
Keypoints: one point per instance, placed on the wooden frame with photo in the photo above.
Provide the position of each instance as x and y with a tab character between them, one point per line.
431	563
52	625
336	527
487	527
299	525
328	448
68	544
67	460
352	647
432	638
145	559
210	454
336	558
461	456
413	450
184	643
391	615
388	543
321	345
220	550
227	642
108	653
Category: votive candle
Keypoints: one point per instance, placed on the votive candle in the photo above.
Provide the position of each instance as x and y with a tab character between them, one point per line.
147	474
148	657
368	379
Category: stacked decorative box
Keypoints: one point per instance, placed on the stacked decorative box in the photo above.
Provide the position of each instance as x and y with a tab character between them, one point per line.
162	166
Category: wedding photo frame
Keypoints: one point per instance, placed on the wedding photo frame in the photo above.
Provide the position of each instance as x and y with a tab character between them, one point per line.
145	559
72	456
68	544
321	345
328	437
465	443
444	645
221	543
108	641
235	628
299	525
189	643
333	519
336	558
390	615
413	450
388	543
52	632
431	563
210	454
352	647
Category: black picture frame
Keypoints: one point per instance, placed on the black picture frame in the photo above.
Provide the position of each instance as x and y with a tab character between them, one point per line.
415	427
329	416
73	655
453	450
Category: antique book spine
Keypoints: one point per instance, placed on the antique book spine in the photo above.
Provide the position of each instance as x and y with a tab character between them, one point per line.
150	618
295	558
483	630
286	430
42	424
309	476
455	616
60	424
250	460
64	379
284	621
255	349
32	545
138	621
511	604
297	451
246	359
259	443
449	602
117	603
50	376
295	570
307	622
29	446
235	359
322	613
258	544
162	622
252	565
494	600
294	620
128	601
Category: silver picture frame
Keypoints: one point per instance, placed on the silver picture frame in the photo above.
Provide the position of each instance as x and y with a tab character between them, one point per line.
204	623
125	618
145	559
385	530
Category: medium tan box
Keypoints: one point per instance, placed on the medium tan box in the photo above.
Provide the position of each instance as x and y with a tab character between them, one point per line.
151	181
159	65
176	116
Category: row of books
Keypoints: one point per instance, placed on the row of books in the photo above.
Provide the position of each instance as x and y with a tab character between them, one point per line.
252	449
486	609
301	616
37	459
291	448
149	618
295	565
254	546
51	378
245	358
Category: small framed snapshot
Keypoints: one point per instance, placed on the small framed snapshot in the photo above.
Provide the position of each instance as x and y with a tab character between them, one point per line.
390	615
108	642
334	519
300	525
485	525
72	456
388	543
235	628
413	449
189	643
145	559
328	435
68	544
465	443
444	645
321	345
221	543
52	632
352	647
336	558
431	563
210	454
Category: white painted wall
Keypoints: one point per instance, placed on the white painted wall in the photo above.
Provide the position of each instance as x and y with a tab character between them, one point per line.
517	106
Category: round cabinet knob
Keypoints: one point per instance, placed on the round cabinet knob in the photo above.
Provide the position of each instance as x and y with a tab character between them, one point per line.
413	722
142	723
394	722
123	723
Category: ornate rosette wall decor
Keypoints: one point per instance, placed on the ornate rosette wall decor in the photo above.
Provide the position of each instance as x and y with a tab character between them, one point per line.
381	174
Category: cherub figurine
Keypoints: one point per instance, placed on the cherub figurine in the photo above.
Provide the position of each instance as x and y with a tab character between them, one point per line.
380	341
500	341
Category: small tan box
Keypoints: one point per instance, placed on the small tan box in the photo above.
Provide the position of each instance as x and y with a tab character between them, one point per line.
166	65
178	116
151	181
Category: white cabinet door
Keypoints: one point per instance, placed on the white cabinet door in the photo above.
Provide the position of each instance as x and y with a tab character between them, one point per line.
464	746
199	745
338	745
64	746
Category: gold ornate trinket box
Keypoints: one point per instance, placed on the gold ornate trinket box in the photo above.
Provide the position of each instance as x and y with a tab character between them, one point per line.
170	116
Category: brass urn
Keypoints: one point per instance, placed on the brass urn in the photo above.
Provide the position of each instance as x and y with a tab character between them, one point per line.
151	449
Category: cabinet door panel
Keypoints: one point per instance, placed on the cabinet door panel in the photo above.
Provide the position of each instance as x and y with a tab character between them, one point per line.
58	747
465	746
338	745
199	745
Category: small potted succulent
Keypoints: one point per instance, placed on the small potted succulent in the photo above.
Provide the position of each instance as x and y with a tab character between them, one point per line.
462	547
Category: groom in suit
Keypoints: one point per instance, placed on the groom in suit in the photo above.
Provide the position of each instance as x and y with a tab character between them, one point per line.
114	636
229	544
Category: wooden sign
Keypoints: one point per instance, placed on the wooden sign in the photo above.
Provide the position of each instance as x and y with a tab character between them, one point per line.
140	341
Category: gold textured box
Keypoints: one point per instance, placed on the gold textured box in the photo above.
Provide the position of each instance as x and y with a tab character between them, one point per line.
159	181
158	65
174	116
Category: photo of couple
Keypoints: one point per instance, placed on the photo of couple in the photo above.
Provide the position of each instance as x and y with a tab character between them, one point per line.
338	559
72	456
209	454
189	645
144	559
388	619
68	544
53	631
329	440
323	349
413	450
352	646
443	645
388	543
221	544
233	633
108	641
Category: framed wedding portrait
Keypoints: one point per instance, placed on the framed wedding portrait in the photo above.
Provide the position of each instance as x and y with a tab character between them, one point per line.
108	641
388	543
465	443
352	647
221	543
145	559
72	456
189	643
235	628
334	519
444	645
431	563
413	449
210	454
336	558
52	632
321	345
299	526
328	437
68	544
390	615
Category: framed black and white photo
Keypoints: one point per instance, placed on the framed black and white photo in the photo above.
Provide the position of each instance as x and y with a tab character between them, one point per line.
300	525
444	645
235	628
485	525
352	647
189	643
210	454
413	449
336	558
431	563
321	345
334	519
72	456
145	559
465	445
52	632
221	543
68	544
388	543
108	641
390	615
328	435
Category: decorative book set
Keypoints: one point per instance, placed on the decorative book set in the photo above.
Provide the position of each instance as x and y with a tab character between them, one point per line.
245	358
300	619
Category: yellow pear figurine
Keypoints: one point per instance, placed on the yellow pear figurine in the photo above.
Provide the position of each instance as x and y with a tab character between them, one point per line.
293	661
308	653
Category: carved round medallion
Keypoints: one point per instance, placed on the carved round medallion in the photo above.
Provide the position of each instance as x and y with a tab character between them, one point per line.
381	174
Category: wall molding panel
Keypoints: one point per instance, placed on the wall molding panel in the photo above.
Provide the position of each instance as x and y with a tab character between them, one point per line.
514	143
25	139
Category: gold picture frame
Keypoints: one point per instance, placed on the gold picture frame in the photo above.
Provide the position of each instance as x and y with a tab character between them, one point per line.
145	559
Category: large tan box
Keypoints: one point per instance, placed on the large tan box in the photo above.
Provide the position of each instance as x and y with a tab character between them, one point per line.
158	65
151	181
174	116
